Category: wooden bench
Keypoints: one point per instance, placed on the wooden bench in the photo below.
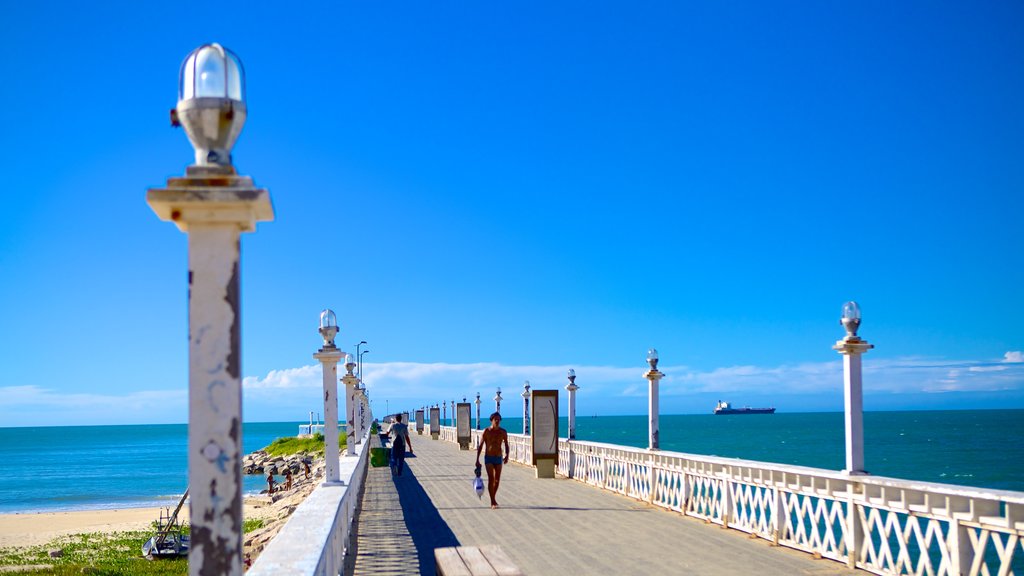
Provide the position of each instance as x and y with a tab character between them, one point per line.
474	561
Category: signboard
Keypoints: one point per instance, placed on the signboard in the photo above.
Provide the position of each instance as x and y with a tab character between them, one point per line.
435	420
545	425
419	421
462	433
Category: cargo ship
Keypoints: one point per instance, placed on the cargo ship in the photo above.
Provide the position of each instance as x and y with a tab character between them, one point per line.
724	408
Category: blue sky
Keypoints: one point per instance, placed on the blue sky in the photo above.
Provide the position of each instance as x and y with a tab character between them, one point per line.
492	193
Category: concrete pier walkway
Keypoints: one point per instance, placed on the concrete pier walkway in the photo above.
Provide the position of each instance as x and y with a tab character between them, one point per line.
557	526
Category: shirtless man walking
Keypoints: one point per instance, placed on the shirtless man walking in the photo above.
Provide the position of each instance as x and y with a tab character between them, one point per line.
492	439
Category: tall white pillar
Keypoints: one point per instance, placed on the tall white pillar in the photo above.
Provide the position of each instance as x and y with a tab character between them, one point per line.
652	376
572	388
329	356
852	347
350	380
497	401
213	205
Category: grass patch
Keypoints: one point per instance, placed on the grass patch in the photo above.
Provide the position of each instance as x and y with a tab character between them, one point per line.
114	554
292	445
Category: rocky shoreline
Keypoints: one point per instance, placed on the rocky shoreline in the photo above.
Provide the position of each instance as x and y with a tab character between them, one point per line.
275	508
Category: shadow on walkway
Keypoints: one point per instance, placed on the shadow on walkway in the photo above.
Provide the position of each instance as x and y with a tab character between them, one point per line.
425	524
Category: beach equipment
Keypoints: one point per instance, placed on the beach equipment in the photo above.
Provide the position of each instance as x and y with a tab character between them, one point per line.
170	540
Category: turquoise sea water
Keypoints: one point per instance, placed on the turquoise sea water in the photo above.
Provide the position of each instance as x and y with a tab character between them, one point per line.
88	467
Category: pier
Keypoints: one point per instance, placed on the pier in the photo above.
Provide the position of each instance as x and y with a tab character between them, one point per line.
546	526
619	509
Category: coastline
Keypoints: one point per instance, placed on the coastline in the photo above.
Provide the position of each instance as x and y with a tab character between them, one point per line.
21	530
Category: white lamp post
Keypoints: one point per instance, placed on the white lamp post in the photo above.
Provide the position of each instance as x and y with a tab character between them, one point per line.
497	401
213	205
329	356
453	414
350	381
572	388
653	376
444	412
852	347
526	408
477	410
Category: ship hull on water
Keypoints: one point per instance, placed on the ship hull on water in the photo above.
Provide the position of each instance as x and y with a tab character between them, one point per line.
729	411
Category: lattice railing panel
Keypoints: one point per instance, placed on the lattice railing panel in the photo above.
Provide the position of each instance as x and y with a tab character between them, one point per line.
705	498
996	552
901	543
752	508
815	524
669	489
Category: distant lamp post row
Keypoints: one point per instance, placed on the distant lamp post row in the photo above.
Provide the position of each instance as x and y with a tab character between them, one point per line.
213	205
329	355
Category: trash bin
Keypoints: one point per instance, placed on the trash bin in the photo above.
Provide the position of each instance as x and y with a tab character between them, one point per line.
378	457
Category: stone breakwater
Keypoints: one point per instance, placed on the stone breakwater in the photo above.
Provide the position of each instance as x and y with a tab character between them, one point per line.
275	508
259	462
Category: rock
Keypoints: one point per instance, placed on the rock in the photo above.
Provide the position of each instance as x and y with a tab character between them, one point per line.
56	553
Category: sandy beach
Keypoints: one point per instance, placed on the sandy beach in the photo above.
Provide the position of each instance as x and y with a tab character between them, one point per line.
18	530
21	530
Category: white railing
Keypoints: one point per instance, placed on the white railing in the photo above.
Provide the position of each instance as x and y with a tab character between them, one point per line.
319	533
882	525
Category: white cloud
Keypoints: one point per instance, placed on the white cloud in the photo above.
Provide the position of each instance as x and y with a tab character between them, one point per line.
434	382
38	406
290	393
1015	356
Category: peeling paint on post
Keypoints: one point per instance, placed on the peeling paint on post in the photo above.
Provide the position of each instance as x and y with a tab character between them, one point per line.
215	401
214	216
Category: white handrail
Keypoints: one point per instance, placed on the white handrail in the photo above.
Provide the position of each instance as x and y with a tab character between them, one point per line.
319	533
879	524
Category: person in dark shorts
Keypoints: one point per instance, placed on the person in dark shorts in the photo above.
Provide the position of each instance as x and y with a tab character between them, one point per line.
490	444
400	432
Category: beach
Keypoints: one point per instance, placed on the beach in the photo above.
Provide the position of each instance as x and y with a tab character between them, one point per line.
35	529
22	530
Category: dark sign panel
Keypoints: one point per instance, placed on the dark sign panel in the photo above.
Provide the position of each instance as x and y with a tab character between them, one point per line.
435	420
463	435
419	420
545	424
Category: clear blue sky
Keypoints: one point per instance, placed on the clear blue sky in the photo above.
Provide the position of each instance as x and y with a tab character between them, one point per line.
489	193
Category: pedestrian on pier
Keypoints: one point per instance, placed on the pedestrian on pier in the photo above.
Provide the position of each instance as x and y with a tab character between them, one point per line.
400	432
491	440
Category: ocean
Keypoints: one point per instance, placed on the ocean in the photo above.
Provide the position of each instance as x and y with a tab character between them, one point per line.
94	467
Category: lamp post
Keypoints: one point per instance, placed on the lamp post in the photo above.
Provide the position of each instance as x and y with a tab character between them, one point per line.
359	367
497	401
349	380
452	422
477	410
653	376
526	408
852	347
213	205
329	355
360	360
572	388
444	412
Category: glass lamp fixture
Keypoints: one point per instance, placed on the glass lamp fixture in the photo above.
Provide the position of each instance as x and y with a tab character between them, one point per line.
652	358
526	389
211	103
328	327
850	319
572	376
350	363
477	398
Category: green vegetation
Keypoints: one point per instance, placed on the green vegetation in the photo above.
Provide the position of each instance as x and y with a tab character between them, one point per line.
373	428
292	445
119	553
105	554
